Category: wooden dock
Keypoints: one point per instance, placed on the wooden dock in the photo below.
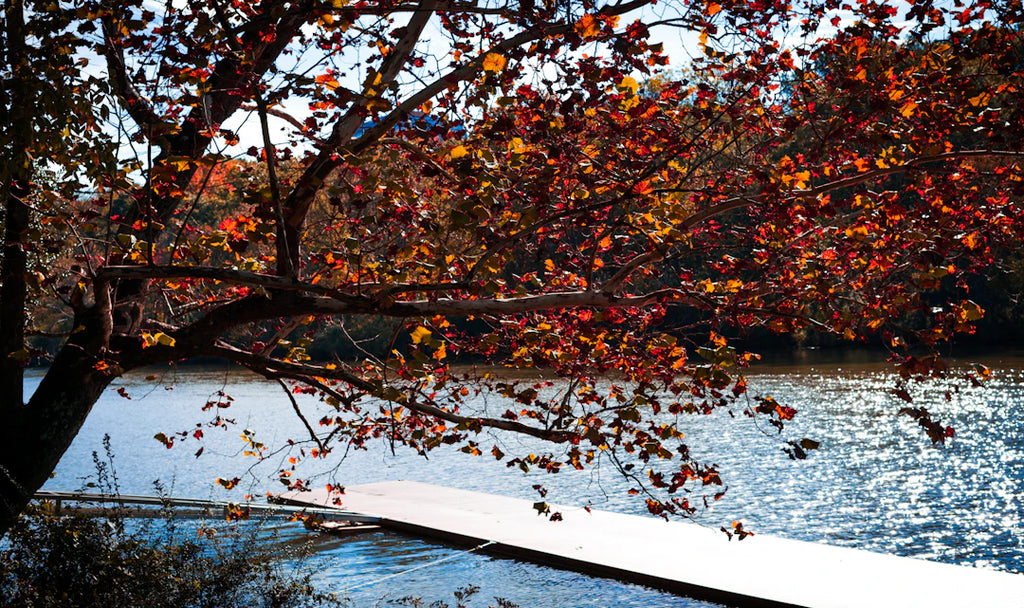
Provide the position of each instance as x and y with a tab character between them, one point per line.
680	557
198	507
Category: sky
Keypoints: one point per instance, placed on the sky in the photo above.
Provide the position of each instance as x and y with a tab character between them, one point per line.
680	46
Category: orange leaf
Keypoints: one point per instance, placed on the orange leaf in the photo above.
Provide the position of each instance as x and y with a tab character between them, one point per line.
494	62
588	26
328	81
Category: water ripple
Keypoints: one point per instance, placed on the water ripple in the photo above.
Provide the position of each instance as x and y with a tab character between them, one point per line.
876	482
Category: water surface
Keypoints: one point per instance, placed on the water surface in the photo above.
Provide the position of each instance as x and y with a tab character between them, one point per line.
876	482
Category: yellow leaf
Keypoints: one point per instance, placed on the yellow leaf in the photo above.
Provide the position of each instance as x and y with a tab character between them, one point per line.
713	8
549	265
494	62
440	353
980	99
458	152
164	339
908	109
856	232
628	84
419	334
969	311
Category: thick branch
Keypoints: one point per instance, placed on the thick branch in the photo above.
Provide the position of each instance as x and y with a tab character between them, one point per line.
203	334
224	275
224	92
509	306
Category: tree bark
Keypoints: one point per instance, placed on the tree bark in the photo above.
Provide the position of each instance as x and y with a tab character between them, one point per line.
35	436
16	176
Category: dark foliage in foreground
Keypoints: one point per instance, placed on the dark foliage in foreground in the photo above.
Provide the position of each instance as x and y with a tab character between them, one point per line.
75	560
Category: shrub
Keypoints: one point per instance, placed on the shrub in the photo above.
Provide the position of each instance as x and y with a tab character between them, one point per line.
76	560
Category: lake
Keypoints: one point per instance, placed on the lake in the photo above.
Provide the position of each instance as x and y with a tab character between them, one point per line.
876	482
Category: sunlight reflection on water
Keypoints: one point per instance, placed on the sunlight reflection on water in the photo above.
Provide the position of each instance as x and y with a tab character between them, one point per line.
876	482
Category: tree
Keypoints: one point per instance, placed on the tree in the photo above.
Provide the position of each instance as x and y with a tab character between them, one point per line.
495	177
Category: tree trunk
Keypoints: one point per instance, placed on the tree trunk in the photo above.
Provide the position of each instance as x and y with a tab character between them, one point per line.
15	177
35	435
13	293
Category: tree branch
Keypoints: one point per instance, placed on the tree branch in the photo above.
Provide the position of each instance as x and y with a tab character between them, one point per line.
740	202
288	118
301	197
548	301
264	365
135	103
224	275
298	412
613	284
287	262
312	179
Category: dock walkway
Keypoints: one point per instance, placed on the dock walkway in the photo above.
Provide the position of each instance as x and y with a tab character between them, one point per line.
681	557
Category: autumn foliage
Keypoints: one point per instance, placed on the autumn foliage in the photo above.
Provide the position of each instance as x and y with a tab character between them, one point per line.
533	185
